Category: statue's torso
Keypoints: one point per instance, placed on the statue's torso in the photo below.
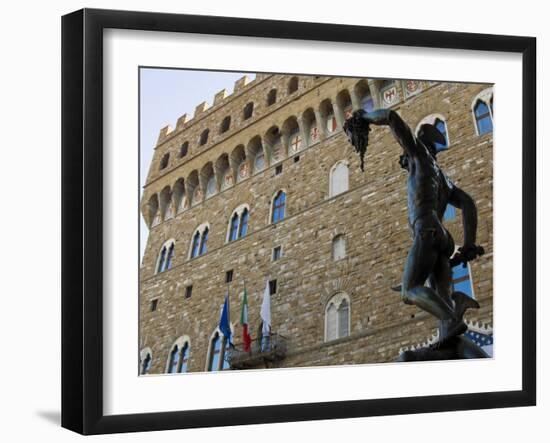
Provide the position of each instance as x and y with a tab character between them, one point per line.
428	187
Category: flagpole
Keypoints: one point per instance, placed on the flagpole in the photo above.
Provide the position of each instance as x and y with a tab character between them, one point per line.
229	311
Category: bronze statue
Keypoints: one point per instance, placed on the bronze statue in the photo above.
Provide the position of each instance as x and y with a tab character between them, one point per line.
430	258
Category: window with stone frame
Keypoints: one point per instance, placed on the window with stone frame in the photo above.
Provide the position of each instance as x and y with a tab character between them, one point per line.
217	352
484	120
337	317
277	253
339	247
164	161
271	97
278	207
441	126
199	241
248	111
293	85
339	179
238	224
179	356
165	257
184	149
145	361
483	111
184	358
225	125
174	360
203	139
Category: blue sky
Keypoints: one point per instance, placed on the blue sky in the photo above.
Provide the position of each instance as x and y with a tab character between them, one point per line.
165	95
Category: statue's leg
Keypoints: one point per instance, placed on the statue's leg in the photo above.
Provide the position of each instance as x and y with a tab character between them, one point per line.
441	280
421	261
441	277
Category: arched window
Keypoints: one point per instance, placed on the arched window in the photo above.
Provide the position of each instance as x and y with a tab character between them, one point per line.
441	127
293	85
339	179
216	353
200	240
169	257
184	148
339	247
234	228
145	360
484	120
238	225
166	255
337	317
271	97
174	360
329	118
204	239
437	120
179	356
196	244
244	223
226	123
184	358
278	208
482	111
248	110
204	137
211	186
164	161
161	260
259	162
362	92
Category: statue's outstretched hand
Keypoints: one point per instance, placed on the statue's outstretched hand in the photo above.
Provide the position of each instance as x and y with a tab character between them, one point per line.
467	253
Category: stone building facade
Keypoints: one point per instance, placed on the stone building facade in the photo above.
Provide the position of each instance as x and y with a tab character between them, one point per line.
263	186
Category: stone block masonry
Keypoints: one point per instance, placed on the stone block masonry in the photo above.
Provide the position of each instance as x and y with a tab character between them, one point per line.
371	215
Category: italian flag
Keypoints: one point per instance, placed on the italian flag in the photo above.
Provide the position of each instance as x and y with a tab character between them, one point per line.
244	323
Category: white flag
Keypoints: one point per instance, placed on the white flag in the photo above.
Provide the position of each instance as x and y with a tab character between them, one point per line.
265	313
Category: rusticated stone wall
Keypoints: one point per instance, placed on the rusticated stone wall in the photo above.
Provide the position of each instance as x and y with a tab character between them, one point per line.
371	214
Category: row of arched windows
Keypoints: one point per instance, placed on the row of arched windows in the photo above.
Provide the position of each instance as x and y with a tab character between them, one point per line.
337	325
225	125
238	227
295	134
178	357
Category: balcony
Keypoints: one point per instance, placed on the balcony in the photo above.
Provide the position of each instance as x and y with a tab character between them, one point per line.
263	351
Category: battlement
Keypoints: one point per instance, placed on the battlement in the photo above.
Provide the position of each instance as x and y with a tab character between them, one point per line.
204	108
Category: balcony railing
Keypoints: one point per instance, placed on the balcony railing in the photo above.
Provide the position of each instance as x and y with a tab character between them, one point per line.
263	350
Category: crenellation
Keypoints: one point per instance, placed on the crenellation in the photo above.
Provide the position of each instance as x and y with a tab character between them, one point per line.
240	84
163	134
200	109
219	97
182	121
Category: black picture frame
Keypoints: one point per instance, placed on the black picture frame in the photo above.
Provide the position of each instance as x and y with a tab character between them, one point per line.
82	230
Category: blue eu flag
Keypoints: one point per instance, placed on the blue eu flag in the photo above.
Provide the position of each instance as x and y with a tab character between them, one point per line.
224	321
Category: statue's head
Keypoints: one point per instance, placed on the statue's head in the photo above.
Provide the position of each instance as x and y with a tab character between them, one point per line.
357	130
430	135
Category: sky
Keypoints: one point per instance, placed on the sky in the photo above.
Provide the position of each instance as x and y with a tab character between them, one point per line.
165	95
